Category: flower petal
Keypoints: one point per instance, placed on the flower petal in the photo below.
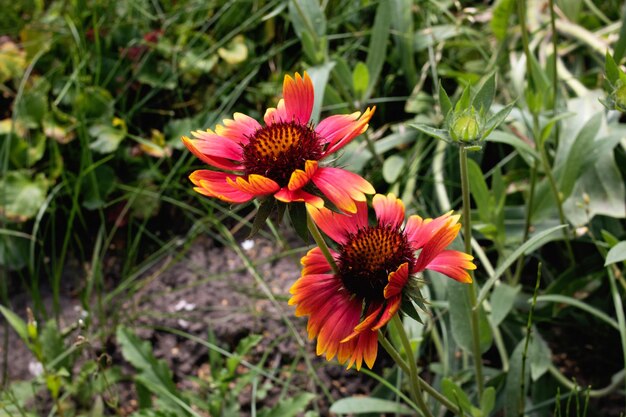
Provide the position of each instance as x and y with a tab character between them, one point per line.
216	184
389	210
342	187
215	150
338	226
287	196
314	262
255	184
339	130
300	178
453	264
332	311
371	317
437	243
276	115
391	308
298	94
419	231
397	281
365	348
240	130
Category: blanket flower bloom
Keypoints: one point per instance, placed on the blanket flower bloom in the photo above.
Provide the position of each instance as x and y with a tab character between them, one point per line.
283	157
376	266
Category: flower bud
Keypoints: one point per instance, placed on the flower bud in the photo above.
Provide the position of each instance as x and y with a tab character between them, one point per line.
466	127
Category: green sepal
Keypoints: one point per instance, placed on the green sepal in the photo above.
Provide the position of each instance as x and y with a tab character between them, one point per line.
263	212
298	217
408	308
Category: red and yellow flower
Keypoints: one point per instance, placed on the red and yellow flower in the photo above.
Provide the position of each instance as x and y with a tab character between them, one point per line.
376	265
282	158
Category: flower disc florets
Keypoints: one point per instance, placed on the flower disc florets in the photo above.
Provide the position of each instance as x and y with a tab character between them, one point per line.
276	151
368	257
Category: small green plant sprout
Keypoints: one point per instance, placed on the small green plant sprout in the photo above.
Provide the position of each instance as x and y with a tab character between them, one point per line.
466	123
615	85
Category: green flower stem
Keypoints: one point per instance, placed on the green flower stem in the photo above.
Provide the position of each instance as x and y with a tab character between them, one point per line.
413	374
471	293
317	236
386	344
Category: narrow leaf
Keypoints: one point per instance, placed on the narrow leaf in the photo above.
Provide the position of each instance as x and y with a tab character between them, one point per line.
444	101
611	69
530	244
502	299
484	97
367	405
431	131
377	50
16	323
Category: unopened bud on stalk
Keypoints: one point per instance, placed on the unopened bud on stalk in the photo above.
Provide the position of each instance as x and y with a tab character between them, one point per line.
466	127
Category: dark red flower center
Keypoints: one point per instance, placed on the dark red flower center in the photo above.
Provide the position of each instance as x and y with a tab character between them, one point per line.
368	258
277	150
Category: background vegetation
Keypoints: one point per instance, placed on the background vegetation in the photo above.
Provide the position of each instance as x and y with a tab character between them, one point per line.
94	196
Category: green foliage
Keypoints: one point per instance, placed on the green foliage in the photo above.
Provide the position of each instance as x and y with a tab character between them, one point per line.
96	95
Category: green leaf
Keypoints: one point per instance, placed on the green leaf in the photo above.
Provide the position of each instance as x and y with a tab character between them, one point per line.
564	299
483	98
461	316
488	401
579	150
108	138
377	50
360	78
431	131
525	150
464	102
367	405
16	323
502	300
21	196
616	254
496	120
32	108
512	391
611	69
298	216
307	15
392	167
501	14
620	45
528	246
154	374
480	192
52	345
289	407
539	356
456	394
263	212
94	102
403	33
444	101
319	77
